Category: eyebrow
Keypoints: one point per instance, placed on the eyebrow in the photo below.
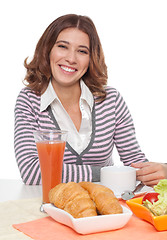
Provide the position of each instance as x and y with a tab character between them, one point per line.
66	42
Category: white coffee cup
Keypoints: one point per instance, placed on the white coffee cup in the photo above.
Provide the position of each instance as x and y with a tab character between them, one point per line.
118	178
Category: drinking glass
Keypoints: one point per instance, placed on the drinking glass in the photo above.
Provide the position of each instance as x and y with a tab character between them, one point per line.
50	147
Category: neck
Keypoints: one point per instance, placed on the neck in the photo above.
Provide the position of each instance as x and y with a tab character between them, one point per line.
68	95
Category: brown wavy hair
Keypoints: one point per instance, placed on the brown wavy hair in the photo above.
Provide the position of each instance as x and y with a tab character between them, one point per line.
38	70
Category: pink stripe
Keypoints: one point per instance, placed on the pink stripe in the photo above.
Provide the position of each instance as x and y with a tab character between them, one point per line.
125	129
124	134
70	173
25	152
105	126
90	174
104	118
129	151
70	161
97	163
104	133
93	155
37	177
85	173
20	126
32	162
120	110
80	173
64	171
123	146
31	176
104	110
75	173
21	143
127	139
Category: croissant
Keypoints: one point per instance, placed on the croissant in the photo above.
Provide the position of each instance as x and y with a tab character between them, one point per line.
74	199
104	198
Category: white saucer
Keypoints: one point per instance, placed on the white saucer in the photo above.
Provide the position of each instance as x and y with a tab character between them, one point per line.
141	192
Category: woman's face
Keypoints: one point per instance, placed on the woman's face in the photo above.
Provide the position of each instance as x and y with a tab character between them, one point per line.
69	57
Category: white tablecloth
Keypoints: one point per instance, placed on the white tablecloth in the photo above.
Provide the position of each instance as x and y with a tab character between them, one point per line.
18	211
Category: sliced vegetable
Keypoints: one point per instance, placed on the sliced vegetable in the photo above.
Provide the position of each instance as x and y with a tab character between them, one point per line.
157	202
151	197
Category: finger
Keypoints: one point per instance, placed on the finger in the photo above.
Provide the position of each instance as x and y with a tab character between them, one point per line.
140	164
150	169
151	183
150	179
144	171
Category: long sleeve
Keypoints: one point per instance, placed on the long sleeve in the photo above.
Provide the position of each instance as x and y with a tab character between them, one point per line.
27	120
112	124
125	138
24	144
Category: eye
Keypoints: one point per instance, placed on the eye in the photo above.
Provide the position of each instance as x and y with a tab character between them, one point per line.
62	46
83	51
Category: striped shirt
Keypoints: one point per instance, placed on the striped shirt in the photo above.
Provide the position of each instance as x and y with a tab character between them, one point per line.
78	140
112	125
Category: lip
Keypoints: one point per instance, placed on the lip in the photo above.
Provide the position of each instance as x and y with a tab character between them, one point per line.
67	69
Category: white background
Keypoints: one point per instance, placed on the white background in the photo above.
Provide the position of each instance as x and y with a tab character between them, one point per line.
134	38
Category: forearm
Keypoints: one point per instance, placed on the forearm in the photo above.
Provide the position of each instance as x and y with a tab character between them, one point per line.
27	121
78	173
27	158
28	163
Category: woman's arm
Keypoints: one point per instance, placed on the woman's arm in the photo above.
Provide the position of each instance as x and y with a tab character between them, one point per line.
24	143
79	173
129	150
151	172
27	121
125	138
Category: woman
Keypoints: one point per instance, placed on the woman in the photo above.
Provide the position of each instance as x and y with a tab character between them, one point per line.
66	89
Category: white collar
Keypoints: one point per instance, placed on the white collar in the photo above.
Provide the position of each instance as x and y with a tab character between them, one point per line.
50	95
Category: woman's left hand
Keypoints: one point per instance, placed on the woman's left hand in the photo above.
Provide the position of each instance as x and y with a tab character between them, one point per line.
150	172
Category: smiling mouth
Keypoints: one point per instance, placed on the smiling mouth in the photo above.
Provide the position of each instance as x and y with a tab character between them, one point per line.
68	69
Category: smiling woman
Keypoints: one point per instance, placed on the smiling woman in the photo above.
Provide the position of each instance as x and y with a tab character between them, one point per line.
67	89
69	59
39	69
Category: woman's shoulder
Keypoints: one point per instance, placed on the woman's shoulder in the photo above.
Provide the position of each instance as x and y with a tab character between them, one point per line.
111	91
27	97
26	92
111	96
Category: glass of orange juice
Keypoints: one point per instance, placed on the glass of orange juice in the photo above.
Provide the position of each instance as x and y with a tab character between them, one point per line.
50	147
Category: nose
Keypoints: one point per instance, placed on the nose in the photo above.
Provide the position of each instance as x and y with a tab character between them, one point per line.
71	57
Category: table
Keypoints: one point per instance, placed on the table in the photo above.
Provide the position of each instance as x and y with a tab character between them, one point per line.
20	203
13	189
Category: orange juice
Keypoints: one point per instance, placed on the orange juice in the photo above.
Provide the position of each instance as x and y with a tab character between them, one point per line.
51	162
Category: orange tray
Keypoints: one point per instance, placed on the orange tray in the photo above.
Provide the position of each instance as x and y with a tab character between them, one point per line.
159	222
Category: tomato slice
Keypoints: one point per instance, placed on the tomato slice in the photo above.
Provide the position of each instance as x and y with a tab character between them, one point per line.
151	197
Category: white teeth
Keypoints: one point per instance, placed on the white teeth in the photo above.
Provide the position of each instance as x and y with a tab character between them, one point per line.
67	69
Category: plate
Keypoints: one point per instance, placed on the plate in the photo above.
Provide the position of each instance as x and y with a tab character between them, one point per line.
89	225
139	193
159	222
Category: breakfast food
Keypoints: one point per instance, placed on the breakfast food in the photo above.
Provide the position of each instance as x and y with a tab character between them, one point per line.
72	198
157	202
84	199
104	198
